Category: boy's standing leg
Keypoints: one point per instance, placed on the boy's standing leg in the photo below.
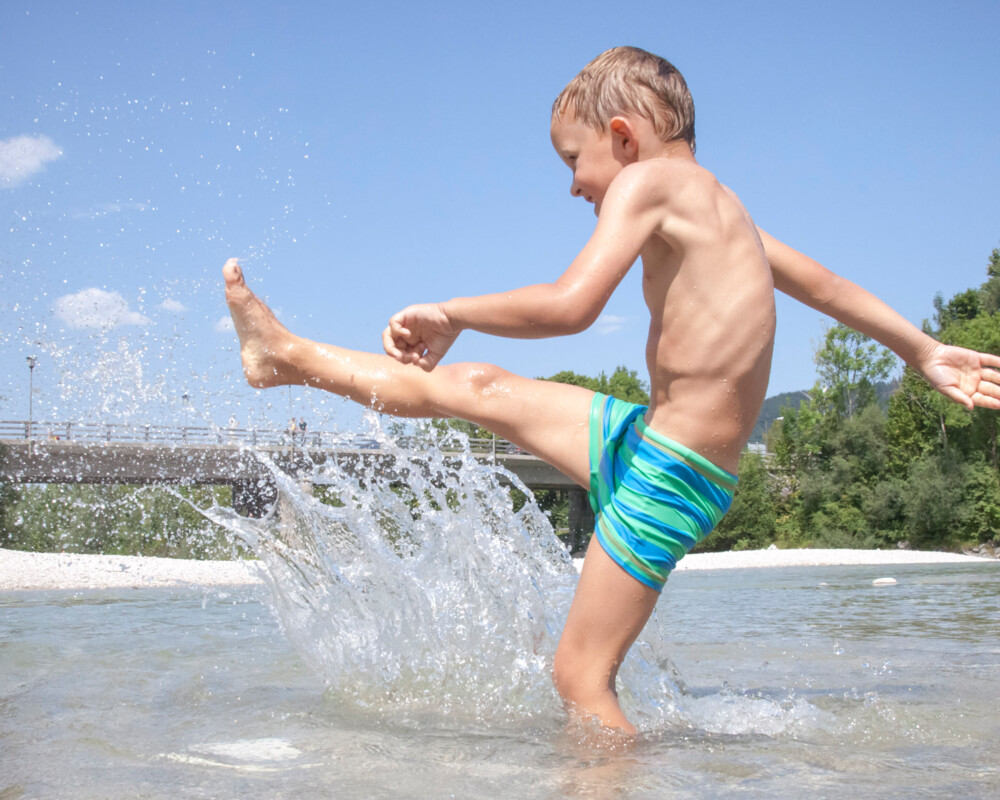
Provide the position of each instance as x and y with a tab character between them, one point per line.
608	613
550	420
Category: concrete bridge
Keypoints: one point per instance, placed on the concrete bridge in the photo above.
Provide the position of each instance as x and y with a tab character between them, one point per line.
46	452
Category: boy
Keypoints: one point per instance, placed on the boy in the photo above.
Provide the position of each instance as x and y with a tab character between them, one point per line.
660	478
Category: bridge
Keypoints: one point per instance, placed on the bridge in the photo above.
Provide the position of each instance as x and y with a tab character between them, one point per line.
77	452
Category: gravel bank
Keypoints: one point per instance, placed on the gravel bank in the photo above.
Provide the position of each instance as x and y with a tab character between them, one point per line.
21	571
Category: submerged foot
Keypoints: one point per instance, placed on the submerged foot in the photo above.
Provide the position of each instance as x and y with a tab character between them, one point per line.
264	342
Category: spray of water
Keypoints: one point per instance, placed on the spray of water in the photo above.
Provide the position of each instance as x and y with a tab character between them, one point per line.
421	589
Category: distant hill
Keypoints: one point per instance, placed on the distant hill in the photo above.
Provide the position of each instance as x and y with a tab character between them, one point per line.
771	409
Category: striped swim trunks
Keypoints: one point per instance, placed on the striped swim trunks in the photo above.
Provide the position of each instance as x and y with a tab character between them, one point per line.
653	499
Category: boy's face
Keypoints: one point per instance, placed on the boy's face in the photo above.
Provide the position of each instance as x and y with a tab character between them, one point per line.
591	154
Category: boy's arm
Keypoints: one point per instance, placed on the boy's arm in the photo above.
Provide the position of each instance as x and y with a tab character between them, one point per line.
965	376
421	334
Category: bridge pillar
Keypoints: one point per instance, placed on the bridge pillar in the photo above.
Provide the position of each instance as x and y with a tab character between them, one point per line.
581	520
254	498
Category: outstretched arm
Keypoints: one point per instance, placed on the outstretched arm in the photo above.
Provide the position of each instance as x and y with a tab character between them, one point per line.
965	376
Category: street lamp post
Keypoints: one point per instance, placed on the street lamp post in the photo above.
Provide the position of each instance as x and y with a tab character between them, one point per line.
187	414
31	392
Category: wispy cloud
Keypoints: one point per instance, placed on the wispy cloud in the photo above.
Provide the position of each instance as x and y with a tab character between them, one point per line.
609	323
174	306
96	309
23	156
224	325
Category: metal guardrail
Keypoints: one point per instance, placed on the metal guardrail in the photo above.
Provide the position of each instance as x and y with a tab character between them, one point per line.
193	434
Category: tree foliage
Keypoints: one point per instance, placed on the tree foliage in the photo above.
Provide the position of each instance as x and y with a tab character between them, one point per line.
922	471
623	384
849	365
752	519
117	520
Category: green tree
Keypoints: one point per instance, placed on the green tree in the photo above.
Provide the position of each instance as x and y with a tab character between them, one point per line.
990	290
626	385
751	521
849	365
120	520
961	308
470	429
844	498
623	384
935	512
796	438
982	499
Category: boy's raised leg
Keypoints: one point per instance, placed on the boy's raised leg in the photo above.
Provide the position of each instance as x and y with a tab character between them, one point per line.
549	420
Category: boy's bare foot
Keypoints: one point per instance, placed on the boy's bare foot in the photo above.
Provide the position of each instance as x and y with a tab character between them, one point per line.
265	344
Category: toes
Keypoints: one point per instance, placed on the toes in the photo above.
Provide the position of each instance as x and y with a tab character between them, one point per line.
232	272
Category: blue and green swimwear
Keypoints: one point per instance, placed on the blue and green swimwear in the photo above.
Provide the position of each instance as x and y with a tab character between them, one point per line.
653	498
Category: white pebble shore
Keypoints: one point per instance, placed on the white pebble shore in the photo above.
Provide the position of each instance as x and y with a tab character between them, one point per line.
20	571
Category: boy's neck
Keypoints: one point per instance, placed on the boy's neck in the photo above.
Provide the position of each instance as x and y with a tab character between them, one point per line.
678	149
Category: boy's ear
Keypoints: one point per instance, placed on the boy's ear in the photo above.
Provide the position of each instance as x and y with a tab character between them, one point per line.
624	133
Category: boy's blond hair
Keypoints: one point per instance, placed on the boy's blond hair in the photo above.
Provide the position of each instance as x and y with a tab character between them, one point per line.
627	80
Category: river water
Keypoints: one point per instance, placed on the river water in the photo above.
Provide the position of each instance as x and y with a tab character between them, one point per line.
798	682
401	646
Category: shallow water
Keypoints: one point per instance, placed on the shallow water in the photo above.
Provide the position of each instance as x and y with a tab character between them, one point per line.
799	682
402	644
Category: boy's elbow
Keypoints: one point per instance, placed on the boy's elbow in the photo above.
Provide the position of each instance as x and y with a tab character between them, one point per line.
828	289
573	312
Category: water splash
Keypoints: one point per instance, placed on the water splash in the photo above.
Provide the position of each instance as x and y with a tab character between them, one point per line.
429	595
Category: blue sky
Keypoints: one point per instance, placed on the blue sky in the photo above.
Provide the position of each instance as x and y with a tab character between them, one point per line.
360	157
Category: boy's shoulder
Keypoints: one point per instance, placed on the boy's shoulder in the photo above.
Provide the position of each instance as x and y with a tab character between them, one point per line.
665	182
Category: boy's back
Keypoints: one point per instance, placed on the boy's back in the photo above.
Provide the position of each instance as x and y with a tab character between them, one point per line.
708	288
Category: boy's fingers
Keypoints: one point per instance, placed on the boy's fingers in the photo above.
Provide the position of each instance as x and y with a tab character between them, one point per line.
389	344
400	331
956	394
989	389
428	359
985	401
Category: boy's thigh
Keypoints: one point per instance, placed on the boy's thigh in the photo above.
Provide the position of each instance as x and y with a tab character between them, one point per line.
547	419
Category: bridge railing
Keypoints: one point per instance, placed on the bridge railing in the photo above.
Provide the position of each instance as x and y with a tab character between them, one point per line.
194	434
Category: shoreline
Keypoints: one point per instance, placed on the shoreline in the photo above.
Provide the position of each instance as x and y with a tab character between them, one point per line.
23	571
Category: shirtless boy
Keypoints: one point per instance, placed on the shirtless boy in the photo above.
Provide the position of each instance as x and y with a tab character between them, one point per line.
660	478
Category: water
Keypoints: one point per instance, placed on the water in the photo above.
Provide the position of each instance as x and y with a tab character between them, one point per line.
794	689
401	648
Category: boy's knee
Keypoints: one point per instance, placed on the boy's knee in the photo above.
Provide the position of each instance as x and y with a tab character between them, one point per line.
479	378
579	677
474	380
564	676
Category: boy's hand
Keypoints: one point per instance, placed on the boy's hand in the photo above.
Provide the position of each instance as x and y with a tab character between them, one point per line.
420	335
965	376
